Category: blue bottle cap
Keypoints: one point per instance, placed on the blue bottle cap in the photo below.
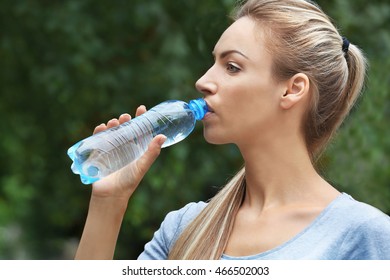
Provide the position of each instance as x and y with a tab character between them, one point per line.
199	107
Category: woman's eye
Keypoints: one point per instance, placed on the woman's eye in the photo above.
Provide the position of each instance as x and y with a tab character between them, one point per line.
232	68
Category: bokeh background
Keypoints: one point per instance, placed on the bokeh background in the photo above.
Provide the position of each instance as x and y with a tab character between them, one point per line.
67	66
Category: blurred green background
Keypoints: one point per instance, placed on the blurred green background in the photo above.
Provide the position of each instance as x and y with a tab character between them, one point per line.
67	66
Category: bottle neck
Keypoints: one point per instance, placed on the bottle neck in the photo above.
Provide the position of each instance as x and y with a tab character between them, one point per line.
199	107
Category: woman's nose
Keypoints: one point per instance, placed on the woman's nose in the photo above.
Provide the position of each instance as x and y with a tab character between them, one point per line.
206	84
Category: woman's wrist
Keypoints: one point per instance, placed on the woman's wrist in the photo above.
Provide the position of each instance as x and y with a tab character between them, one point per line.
108	206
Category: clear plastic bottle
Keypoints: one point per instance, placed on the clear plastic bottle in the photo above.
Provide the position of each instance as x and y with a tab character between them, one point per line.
103	153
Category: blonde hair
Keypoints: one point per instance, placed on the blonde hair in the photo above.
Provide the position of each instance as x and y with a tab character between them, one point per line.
301	39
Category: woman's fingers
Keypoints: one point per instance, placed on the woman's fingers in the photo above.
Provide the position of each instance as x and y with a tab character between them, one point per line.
100	128
122	119
140	110
112	123
137	170
122	183
153	151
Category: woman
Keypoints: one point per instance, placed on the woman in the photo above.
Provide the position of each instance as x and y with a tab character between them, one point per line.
282	82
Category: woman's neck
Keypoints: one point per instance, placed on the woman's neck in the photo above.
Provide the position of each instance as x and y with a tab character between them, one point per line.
277	174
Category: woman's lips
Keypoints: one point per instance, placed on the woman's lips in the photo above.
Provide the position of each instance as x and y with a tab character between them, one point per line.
210	111
209	108
207	115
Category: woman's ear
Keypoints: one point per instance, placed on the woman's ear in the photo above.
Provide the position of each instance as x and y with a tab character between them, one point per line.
296	91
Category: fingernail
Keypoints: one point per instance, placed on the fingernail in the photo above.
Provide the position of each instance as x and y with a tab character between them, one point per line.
162	140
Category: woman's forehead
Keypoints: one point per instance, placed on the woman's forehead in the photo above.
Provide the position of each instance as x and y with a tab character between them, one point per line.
244	35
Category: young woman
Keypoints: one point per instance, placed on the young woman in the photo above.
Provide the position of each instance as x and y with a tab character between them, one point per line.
282	82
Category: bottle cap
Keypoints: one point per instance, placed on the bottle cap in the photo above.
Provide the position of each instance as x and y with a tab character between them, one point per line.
199	107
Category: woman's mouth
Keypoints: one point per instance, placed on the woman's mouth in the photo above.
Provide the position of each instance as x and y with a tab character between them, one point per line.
209	108
210	111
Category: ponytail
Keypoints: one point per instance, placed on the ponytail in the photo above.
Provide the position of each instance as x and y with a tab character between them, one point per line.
357	65
300	39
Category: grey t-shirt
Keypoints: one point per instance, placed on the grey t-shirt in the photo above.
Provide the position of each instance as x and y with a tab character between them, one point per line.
345	230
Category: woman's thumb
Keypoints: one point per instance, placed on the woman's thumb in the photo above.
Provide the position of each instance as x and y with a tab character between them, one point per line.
151	154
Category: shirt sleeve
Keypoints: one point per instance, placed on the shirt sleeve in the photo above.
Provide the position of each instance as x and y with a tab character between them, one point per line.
368	241
170	229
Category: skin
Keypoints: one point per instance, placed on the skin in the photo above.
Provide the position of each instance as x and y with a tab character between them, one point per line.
263	117
110	197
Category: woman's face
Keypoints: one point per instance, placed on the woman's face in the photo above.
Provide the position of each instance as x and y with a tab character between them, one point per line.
239	88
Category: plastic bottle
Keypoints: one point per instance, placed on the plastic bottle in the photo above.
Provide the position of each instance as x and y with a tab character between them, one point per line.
103	153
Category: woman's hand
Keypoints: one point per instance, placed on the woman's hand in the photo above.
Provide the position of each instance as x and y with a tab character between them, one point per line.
122	183
110	197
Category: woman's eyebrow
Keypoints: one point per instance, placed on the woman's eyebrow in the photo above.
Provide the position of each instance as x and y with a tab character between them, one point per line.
228	52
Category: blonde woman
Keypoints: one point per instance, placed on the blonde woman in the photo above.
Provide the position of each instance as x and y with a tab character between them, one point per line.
282	82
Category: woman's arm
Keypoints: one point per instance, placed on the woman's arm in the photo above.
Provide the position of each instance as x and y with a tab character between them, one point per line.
109	200
101	229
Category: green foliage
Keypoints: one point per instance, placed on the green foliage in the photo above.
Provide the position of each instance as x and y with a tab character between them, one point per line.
68	66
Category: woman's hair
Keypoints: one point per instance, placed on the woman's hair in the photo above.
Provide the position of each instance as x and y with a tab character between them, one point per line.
301	39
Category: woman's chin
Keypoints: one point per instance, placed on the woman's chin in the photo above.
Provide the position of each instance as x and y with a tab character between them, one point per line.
212	138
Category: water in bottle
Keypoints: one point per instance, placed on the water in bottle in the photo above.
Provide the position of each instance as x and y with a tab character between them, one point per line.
103	153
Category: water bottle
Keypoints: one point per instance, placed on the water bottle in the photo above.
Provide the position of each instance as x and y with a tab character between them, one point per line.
105	152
